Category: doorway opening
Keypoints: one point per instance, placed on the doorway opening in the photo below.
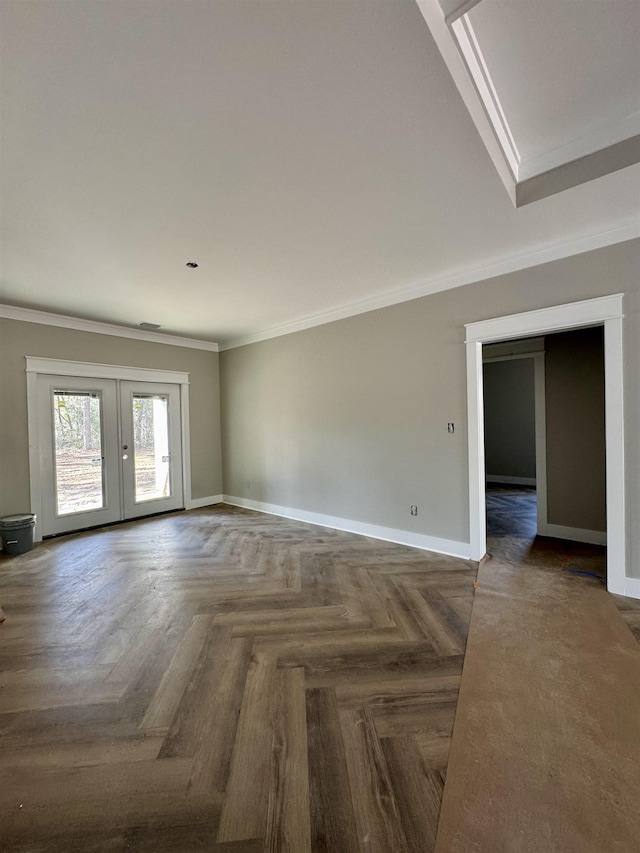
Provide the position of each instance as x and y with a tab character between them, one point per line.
513	383
604	311
544	429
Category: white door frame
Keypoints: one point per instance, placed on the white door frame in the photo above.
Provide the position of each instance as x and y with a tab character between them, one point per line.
605	310
36	365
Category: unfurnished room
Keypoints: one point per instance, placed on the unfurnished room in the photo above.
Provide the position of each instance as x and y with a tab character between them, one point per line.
320	426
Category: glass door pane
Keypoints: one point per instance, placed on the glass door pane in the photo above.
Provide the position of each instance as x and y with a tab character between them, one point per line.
152	475
79	460
151	455
108	450
78	453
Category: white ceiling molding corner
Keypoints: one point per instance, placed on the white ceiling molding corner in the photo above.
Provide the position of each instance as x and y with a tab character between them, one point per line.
596	165
605	148
477	68
625	130
453	59
454	9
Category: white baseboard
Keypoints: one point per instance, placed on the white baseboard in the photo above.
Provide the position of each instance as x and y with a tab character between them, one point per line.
632	587
515	481
576	534
375	531
198	503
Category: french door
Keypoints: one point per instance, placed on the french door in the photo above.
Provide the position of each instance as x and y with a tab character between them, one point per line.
109	450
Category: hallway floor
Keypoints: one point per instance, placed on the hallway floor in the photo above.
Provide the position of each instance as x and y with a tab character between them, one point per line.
511	535
545	755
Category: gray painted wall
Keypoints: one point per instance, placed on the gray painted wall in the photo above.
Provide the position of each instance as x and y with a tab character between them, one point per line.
19	339
575	427
347	419
350	419
509	418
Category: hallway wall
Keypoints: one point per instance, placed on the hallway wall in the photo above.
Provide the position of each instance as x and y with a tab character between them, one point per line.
575	422
509	420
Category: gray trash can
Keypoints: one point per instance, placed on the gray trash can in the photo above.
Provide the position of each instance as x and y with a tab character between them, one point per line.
17	533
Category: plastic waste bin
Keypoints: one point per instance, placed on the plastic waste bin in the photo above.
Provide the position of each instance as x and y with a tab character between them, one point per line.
16	532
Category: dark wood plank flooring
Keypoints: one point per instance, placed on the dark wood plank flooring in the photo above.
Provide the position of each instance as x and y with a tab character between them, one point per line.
227	681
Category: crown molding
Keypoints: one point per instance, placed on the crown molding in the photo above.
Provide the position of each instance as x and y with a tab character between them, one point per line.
45	318
469	275
543	161
456	63
596	165
454	9
529	176
479	73
600	139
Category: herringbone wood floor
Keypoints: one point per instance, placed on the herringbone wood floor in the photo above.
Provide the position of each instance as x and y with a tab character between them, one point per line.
227	681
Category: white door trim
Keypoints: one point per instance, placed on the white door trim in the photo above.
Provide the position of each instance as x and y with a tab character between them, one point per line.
60	367
606	310
539	379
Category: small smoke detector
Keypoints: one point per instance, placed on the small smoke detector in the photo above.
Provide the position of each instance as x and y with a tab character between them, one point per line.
149	326
192	265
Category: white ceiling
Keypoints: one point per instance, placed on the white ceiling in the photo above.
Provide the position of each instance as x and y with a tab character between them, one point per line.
564	71
314	158
553	86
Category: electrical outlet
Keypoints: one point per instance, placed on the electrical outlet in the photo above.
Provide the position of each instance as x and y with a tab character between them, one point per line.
414	509
451	427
